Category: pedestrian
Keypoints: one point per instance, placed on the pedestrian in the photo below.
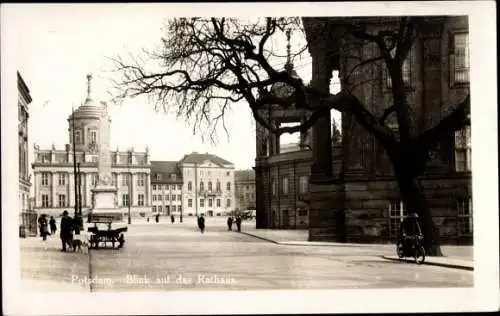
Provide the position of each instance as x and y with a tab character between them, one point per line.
157	218
238	223
147	219
44	229
53	226
66	233
201	223
229	223
172	218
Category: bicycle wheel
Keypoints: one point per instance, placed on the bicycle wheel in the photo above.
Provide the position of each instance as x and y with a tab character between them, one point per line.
419	254
399	250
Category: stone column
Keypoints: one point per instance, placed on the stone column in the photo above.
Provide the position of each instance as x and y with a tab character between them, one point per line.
322	139
147	195
53	184
132	189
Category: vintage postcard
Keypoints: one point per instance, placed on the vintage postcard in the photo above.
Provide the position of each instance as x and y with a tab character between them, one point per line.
249	158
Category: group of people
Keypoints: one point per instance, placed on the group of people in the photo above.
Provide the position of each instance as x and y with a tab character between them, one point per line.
68	227
230	222
44	224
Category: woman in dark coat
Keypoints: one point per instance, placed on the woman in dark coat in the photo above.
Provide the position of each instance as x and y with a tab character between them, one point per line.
53	227
44	229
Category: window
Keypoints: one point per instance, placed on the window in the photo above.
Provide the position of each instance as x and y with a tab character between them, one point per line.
154	197
202	202
78	136
160	209
93	136
173	208
140	180
167	187
173	197
154	208
140	199
248	187
228	203
463	150
396	216
227	173
190	202
190	186
62	200
285	186
114	179
218	202
45	200
406	68
179	198
125	178
154	187
247	195
179	208
228	186
62	178
302	212
45	178
459	61
209	202
209	185
303	184
274	187
217	186
202	186
160	197
158	176
179	187
464	210
167	208
125	200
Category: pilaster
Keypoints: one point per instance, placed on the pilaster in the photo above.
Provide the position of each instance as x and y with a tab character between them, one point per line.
53	189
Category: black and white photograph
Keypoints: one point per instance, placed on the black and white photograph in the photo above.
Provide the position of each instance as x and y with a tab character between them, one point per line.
249	158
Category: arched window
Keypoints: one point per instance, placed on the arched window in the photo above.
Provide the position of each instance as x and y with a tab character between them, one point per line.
78	136
209	185
228	187
217	186
202	186
190	186
93	136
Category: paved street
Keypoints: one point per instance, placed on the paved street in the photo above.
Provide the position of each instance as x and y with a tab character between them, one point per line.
167	256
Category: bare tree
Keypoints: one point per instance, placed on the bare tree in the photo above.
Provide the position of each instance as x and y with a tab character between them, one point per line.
207	64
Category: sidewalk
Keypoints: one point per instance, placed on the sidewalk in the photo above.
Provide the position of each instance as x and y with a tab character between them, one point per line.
45	268
458	257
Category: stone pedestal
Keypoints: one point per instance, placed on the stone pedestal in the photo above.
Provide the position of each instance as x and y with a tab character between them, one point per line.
105	208
326	212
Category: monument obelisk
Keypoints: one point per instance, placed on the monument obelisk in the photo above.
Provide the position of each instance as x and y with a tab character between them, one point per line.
105	194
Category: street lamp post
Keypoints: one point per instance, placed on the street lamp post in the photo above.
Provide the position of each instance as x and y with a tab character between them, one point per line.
129	196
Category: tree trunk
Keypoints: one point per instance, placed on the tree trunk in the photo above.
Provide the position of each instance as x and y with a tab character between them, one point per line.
415	202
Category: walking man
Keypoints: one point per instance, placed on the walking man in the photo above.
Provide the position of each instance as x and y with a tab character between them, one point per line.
201	223
238	223
229	223
172	218
66	233
53	227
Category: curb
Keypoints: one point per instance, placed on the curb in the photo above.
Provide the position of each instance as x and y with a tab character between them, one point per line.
445	265
261	238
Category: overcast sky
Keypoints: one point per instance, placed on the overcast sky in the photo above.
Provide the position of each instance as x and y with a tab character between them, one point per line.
59	44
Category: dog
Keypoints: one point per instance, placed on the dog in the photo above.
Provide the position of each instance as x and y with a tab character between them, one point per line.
80	243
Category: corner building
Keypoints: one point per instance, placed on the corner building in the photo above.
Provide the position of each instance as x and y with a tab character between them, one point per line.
208	185
352	195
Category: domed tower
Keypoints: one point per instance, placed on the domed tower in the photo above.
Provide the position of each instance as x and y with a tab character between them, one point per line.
86	123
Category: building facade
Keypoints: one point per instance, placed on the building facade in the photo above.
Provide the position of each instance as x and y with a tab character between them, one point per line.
26	213
354	196
167	187
53	169
208	185
244	185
